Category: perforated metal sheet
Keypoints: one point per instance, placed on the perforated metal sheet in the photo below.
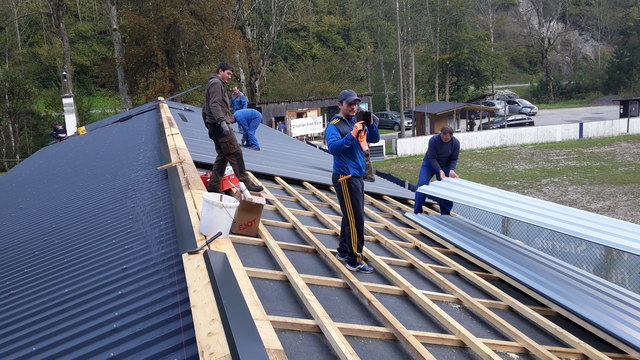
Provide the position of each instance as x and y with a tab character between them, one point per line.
582	224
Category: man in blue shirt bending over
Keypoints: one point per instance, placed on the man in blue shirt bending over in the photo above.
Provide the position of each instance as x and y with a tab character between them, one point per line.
248	120
440	160
347	141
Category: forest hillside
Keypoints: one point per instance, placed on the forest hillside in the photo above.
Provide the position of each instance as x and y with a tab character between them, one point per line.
116	54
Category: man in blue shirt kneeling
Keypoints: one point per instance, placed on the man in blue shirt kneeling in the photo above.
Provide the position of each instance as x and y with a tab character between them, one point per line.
440	160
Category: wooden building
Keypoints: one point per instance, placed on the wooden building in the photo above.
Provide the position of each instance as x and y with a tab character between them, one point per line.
431	117
273	111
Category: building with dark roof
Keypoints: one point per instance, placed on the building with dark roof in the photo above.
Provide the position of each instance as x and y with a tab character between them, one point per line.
429	118
96	262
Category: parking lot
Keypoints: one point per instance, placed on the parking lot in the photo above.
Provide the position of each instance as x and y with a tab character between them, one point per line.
558	116
574	115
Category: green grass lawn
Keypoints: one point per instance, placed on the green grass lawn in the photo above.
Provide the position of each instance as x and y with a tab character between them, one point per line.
605	161
386	131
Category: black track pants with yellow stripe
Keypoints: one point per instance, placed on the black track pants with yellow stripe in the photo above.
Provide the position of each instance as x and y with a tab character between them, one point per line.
351	197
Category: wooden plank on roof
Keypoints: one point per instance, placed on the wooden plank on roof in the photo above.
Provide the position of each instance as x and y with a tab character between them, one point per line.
338	342
491	317
517	306
411	344
467	300
428	305
210	335
207	323
379	332
523	345
379	288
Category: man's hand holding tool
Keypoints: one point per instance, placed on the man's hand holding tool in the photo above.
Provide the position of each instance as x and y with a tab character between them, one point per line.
357	127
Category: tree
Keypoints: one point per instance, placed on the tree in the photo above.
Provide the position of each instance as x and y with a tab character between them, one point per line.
542	26
489	10
171	45
118	50
58	16
261	23
400	80
16	100
623	72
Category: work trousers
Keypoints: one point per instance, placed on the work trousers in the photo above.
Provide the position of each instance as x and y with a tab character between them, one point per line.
426	173
228	151
249	129
350	194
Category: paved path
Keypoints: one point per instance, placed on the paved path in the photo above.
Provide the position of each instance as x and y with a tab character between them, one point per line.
575	115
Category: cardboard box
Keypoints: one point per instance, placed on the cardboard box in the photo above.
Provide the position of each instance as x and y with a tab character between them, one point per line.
248	215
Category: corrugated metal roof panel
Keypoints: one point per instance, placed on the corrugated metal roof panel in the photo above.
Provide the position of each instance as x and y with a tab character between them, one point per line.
88	252
599	302
600	229
280	155
123	116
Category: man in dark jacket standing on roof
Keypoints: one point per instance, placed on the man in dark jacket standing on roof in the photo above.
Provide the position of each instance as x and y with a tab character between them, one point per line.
440	160
347	141
217	117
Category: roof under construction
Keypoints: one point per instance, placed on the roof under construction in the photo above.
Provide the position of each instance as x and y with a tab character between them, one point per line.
96	284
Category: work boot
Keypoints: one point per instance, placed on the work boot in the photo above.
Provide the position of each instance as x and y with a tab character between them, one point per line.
255	188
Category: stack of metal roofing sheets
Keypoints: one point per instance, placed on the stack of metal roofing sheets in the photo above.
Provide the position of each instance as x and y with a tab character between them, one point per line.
599	302
582	224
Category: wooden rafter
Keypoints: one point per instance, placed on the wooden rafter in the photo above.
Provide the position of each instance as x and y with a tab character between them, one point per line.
210	335
380	220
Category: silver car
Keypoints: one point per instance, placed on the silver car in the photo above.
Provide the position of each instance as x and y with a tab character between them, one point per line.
391	120
495	104
521	106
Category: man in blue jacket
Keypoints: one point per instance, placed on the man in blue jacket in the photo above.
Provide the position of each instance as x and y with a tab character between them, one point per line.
440	160
238	100
248	120
347	141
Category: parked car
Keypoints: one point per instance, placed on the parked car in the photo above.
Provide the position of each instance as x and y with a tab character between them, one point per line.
408	114
391	120
472	114
499	104
512	121
521	106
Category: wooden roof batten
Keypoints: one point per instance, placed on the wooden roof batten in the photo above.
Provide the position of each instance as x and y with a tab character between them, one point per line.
431	307
540	350
210	334
409	342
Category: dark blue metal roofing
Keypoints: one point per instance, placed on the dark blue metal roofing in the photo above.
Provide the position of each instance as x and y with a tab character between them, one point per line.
280	155
437	107
88	251
607	306
123	116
